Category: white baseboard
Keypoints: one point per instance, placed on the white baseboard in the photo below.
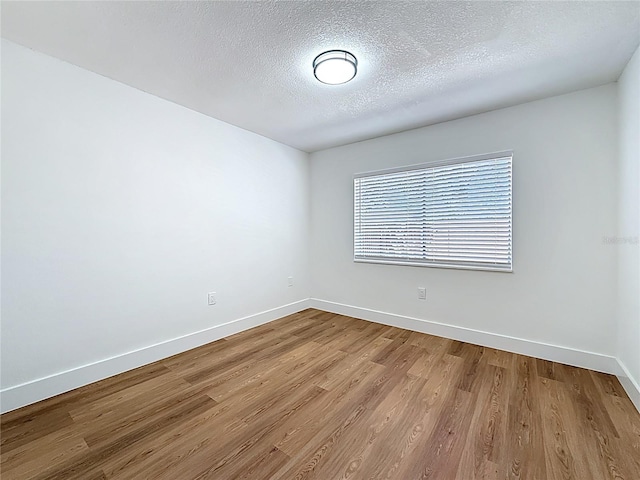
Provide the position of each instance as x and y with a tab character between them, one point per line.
555	353
36	390
629	384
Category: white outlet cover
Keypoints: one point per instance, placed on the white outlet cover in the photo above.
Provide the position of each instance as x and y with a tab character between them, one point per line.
422	293
211	298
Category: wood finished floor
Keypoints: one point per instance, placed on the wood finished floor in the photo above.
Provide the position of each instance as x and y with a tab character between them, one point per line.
323	396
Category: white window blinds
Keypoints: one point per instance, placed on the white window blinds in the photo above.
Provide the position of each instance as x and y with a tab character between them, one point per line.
455	213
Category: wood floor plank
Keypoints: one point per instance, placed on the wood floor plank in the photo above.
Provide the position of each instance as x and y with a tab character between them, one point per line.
598	430
499	358
628	425
316	395
43	454
352	416
333	408
186	437
525	458
78	468
446	440
32	427
375	448
221	457
487	431
560	441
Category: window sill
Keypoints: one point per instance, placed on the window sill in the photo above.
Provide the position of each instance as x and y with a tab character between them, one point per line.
405	263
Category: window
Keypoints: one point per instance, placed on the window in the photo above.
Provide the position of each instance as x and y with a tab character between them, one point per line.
454	213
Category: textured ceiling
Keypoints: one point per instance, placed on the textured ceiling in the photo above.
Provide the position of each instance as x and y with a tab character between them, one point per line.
249	63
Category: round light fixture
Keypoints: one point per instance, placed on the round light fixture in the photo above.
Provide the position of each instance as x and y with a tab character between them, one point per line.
335	67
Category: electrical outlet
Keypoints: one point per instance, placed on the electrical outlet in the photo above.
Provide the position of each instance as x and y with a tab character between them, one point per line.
422	293
290	281
211	298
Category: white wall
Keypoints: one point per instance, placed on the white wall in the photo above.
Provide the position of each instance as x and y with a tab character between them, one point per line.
629	226
120	211
563	288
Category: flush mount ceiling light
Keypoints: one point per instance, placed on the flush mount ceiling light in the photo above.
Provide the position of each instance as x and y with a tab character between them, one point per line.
335	67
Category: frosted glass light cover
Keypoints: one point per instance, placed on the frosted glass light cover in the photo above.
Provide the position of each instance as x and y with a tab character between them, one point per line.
335	67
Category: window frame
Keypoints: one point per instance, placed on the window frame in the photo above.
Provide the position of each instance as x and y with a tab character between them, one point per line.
426	165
